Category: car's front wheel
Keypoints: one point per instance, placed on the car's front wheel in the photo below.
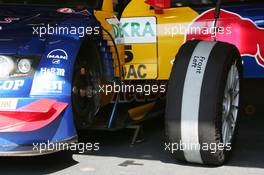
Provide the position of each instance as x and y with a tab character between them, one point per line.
203	102
87	78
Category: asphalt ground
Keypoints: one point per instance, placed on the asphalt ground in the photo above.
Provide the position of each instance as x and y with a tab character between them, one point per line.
117	157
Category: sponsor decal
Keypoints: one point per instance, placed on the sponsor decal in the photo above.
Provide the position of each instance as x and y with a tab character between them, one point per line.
119	38
11	85
53	86
135	71
8	20
65	10
8	103
52	71
45	85
247	45
140	71
57	55
56	61
136	30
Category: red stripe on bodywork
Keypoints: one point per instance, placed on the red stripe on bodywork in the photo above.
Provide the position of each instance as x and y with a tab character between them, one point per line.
31	117
163	4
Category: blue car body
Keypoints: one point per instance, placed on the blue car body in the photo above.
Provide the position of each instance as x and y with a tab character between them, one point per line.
57	52
254	13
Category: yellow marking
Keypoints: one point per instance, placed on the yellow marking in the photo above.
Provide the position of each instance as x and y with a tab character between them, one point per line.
7	104
139	113
140	71
167	44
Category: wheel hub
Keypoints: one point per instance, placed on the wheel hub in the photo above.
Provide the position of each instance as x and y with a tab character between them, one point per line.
227	105
230	105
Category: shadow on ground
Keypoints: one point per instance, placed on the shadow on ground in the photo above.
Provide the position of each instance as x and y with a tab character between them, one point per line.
248	149
36	165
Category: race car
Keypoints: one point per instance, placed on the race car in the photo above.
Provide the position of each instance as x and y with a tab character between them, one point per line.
47	52
216	45
55	82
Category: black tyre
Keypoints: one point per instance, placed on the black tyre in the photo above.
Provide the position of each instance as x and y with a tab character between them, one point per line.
203	102
86	84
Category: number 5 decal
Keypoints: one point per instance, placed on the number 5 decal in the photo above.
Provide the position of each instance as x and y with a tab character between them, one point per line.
128	53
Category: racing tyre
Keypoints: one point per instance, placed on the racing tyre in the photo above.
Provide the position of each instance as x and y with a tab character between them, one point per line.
203	102
86	81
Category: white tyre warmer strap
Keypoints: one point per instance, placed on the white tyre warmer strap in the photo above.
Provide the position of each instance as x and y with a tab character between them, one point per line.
191	101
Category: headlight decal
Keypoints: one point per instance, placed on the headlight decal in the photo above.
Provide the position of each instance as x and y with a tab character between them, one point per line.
24	66
18	66
7	66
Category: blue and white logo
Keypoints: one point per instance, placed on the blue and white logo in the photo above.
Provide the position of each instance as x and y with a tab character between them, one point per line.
11	85
58	54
